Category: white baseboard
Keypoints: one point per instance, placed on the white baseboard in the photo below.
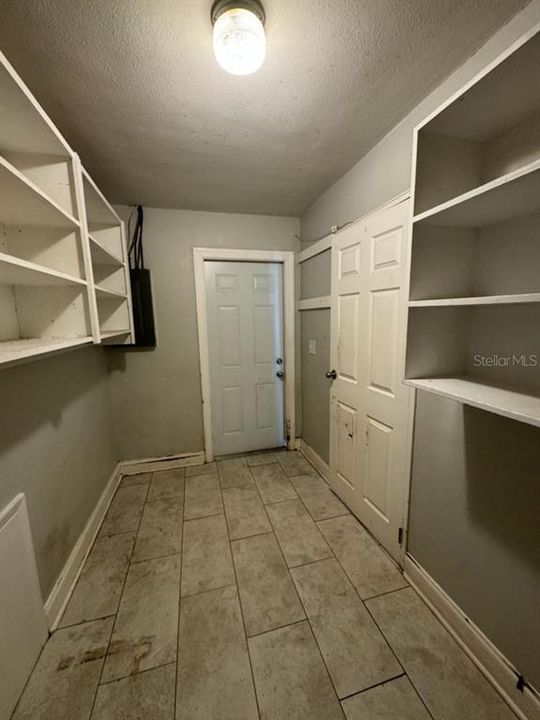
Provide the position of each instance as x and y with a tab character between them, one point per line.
316	460
489	660
63	587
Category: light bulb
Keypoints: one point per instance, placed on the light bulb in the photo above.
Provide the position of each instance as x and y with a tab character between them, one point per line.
239	41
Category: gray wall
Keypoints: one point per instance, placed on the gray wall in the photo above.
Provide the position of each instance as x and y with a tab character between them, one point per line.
156	394
458	532
56	445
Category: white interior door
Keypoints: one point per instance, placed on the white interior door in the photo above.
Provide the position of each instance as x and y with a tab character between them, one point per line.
245	340
371	409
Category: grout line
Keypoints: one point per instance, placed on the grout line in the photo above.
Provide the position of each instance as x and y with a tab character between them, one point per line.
86	621
139	672
312	562
375	685
386	592
257	534
206	590
203	517
278	627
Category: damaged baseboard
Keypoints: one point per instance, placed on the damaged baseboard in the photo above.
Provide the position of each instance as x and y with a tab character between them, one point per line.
314	458
63	587
498	670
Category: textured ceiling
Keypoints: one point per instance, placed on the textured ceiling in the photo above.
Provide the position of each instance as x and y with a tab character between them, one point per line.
134	87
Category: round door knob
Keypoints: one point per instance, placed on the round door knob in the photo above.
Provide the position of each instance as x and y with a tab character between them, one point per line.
331	374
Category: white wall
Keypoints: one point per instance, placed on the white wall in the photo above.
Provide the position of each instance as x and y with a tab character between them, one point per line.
469	526
156	394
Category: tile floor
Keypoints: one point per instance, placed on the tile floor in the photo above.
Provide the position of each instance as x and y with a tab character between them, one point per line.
244	589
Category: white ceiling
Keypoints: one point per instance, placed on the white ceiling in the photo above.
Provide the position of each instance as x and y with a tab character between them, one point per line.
134	87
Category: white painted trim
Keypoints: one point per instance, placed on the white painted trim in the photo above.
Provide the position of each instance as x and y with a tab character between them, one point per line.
324	301
200	255
314	249
498	670
314	458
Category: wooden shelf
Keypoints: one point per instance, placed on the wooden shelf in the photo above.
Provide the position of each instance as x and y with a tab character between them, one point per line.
105	294
15	351
110	334
480	300
14	271
497	399
23	203
516	193
102	256
99	211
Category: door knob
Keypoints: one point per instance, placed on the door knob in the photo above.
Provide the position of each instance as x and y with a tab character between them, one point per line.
280	374
331	374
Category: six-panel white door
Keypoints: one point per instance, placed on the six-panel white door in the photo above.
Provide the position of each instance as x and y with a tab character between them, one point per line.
245	339
371	409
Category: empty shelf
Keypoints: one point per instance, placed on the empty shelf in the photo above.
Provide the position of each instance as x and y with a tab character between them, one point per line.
98	210
480	300
14	271
105	294
15	351
517	193
515	404
102	256
109	334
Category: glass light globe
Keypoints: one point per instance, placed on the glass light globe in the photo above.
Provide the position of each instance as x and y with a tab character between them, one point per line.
239	41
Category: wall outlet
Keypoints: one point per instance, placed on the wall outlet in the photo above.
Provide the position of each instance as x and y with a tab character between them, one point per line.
312	347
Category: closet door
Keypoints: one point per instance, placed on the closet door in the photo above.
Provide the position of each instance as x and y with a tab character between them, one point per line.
371	408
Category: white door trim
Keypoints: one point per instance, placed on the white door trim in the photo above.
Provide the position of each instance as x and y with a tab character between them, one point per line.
286	257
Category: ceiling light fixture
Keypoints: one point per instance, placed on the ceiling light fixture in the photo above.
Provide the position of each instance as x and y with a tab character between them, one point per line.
239	37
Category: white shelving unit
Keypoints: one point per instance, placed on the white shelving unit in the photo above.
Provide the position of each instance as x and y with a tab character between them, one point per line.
49	301
474	307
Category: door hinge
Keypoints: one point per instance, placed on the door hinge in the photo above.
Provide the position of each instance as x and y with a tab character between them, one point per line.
400	536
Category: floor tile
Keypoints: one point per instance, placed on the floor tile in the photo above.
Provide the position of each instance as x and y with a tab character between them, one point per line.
245	512
214	675
160	532
66	677
273	484
297	533
269	598
145	696
99	587
206	562
317	497
140	479
146	625
234	472
356	654
260	459
394	700
290	676
203	497
369	568
294	463
205	469
448	682
125	510
167	483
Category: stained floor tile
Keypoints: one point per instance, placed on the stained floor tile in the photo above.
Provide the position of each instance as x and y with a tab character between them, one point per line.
160	532
203	497
369	568
273	484
139	479
290	676
260	459
447	680
207	561
146	625
100	584
205	469
394	700
244	512
234	472
356	654
294	463
145	696
297	533
317	497
167	483
267	593
125	510
214	675
65	679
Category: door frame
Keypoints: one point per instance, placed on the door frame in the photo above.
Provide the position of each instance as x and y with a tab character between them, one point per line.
286	258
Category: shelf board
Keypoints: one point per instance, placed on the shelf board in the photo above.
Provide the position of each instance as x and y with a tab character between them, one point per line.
102	256
110	334
14	271
521	406
480	300
105	294
16	351
513	194
23	203
99	211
